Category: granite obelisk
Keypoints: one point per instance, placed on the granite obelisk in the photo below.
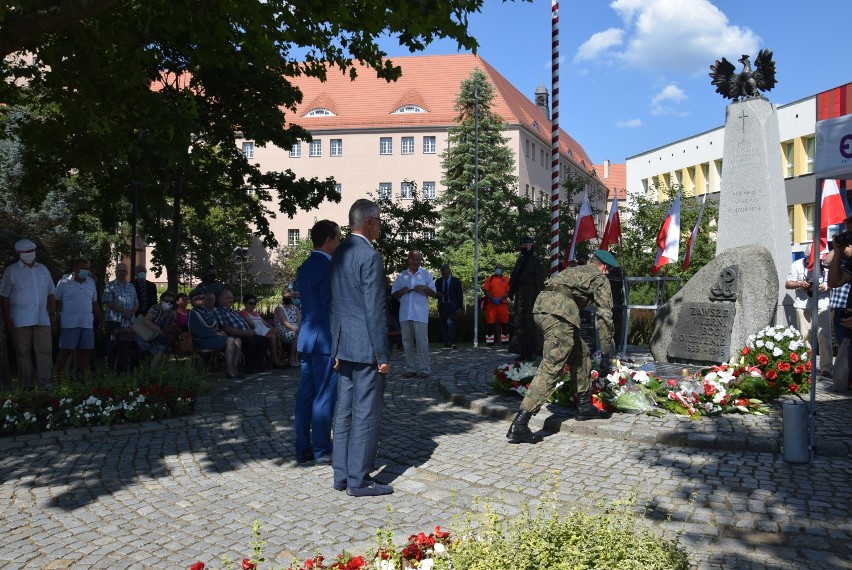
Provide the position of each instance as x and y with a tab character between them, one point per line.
752	199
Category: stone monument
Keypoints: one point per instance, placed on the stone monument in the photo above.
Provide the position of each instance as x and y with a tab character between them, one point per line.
712	316
752	199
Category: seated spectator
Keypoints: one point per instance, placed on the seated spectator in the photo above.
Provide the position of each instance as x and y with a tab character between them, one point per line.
262	328
230	321
181	312
206	334
160	318
288	319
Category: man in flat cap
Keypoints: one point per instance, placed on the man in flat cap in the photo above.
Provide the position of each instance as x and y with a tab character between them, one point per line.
29	310
526	282
557	315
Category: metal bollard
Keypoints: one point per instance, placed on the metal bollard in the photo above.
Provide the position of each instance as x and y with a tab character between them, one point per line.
794	416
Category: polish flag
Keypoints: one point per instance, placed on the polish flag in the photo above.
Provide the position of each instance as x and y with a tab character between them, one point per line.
585	227
612	232
690	245
668	240
831	213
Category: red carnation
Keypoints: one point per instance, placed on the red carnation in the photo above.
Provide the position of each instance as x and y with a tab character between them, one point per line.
441	533
799	369
761	358
197	566
771	375
248	564
808	365
783	366
745	350
794	357
793	388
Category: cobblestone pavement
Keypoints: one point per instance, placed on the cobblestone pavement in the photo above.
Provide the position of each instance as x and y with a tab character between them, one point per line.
165	494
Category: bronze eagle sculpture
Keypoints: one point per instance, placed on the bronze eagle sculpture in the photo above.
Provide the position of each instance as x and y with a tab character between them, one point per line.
748	82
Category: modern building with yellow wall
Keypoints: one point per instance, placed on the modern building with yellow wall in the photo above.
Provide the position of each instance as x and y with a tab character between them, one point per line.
695	163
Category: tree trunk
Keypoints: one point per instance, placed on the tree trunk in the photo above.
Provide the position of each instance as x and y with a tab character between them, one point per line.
5	377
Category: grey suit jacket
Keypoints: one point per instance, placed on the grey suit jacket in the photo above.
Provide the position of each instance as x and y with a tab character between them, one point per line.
358	303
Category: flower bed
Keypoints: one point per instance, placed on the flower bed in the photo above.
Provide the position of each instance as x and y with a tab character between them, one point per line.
775	362
136	397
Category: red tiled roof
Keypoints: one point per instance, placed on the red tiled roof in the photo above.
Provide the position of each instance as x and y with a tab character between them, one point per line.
615	179
430	81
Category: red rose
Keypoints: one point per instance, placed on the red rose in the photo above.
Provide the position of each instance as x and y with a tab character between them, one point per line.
672	382
594	374
761	358
808	365
197	566
724	401
709	388
356	563
783	366
741	402
798	369
771	375
794	357
793	388
248	564
745	350
622	381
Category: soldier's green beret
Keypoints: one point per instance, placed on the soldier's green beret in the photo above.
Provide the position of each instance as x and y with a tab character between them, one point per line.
606	257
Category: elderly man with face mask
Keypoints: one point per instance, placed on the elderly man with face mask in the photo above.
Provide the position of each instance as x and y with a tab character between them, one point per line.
79	307
29	310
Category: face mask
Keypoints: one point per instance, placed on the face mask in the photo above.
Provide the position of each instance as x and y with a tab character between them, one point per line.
297	302
498	272
141	276
287	301
83	274
166	305
28	257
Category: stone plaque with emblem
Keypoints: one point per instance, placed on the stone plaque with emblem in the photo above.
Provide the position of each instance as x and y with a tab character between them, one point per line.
702	333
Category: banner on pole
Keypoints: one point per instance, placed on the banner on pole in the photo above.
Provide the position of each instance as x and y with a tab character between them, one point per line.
833	154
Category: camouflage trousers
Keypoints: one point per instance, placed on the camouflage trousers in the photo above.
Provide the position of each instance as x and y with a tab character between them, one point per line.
562	346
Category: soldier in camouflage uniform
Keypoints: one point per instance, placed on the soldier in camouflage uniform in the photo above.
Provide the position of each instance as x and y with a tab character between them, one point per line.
557	315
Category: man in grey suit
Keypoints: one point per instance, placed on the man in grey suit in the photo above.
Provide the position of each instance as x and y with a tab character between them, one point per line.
359	343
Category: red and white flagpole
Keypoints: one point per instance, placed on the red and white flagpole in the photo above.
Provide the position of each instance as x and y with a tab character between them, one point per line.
554	140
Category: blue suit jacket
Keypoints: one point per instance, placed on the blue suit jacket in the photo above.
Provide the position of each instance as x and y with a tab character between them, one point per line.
455	297
358	303
315	295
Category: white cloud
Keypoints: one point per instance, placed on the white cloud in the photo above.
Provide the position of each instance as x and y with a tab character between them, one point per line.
599	43
670	36
629	124
664	102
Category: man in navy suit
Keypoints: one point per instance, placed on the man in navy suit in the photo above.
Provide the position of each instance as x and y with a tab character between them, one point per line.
450	304
317	392
359	343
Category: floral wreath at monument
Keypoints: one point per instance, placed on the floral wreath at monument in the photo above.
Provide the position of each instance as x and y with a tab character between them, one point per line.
775	361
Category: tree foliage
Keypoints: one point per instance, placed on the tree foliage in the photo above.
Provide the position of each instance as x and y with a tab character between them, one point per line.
407	225
154	93
499	202
641	223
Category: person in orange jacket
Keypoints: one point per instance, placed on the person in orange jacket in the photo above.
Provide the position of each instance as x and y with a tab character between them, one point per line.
496	289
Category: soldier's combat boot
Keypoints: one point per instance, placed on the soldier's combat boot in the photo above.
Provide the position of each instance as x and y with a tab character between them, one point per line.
587	411
519	431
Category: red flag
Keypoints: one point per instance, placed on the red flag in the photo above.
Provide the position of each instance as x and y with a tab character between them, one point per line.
668	239
831	213
612	232
690	245
585	227
831	210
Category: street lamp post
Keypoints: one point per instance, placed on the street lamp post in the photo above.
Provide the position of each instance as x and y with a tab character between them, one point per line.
240	254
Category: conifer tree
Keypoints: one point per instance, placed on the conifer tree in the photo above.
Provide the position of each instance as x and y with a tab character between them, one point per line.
498	198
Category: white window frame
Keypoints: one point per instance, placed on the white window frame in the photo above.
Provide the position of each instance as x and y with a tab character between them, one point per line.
808	210
406	190
335	147
789	159
429	191
316	148
248	149
810	144
296	150
320	112
293	237
430	145
407	145
386	190
386	146
338	187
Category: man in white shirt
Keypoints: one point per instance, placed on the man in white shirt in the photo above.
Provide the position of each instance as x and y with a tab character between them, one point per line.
29	310
799	279
79	304
412	289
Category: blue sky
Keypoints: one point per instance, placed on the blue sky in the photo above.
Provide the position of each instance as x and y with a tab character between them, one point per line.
634	73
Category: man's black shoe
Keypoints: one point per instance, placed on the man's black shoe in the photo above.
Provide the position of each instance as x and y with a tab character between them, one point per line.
372	490
519	431
587	411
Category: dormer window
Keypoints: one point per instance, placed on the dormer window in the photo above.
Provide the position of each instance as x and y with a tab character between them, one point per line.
535	125
320	112
410	109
